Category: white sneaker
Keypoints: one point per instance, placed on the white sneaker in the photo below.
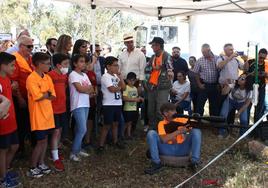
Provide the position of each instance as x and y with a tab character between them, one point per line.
83	154
35	173
44	169
75	158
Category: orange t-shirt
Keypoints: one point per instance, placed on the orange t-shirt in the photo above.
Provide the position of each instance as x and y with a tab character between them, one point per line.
157	63
60	83
161	129
41	112
22	70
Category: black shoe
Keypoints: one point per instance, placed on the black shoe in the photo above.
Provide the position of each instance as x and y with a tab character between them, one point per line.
100	150
154	168
119	145
148	154
194	166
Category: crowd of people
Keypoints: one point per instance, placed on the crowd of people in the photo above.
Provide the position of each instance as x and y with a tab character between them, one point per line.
81	88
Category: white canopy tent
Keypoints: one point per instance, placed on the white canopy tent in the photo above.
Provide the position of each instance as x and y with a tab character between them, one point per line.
166	8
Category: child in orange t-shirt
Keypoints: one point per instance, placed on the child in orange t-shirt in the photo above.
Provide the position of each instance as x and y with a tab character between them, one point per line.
9	141
40	93
60	80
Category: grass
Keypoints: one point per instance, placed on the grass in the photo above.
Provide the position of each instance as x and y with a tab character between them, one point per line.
124	168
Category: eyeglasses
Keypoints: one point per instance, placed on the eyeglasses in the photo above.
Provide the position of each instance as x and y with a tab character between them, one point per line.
242	78
28	46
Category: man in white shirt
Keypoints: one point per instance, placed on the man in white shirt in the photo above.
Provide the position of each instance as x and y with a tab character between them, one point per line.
132	59
228	64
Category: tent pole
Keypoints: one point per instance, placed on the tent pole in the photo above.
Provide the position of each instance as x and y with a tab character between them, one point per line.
93	25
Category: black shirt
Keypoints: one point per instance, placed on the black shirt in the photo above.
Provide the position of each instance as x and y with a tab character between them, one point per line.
261	70
179	64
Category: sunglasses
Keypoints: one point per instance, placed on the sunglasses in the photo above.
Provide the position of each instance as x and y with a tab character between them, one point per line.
98	50
28	46
242	78
84	46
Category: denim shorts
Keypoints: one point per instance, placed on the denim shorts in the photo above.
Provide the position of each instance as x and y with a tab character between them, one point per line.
112	114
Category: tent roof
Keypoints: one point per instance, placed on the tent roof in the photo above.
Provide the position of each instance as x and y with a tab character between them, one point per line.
180	7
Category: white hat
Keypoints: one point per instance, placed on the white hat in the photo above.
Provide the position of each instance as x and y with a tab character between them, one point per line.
128	37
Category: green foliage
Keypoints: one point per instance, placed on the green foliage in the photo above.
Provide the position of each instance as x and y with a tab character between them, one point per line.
47	21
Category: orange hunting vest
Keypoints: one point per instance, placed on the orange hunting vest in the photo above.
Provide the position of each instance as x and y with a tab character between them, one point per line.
157	63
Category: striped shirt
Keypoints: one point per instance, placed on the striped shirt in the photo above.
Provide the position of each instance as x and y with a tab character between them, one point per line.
207	69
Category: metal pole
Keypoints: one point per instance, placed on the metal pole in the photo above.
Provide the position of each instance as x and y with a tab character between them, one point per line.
93	18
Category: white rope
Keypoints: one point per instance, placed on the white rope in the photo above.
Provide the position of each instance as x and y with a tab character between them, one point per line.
227	149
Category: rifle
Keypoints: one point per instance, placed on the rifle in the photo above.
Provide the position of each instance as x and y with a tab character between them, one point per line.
199	122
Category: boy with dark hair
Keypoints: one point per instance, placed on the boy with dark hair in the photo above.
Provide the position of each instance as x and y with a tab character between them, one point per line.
112	84
131	98
181	142
40	93
9	142
60	80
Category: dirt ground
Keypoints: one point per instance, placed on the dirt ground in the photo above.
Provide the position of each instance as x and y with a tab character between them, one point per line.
124	168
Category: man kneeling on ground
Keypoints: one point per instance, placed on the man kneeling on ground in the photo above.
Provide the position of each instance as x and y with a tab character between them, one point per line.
181	142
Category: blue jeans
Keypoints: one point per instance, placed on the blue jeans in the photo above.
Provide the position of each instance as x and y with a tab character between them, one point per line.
266	99
229	105
80	116
184	106
192	143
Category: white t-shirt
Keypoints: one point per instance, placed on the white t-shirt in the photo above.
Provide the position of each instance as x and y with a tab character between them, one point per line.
77	99
240	95
181	89
109	98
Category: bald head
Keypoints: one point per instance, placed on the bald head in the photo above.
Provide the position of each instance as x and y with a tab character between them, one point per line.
206	50
24	32
24	39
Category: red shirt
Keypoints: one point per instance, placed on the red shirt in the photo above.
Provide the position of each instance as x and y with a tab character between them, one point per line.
8	125
92	77
60	83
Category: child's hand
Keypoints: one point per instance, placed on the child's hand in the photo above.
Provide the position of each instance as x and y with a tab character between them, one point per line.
14	86
120	76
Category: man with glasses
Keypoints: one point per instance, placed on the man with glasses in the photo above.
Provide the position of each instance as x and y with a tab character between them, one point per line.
15	47
23	68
